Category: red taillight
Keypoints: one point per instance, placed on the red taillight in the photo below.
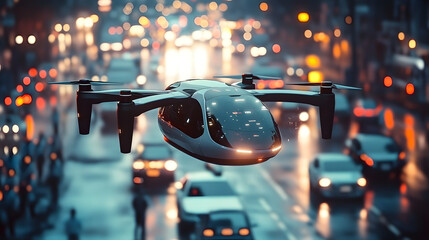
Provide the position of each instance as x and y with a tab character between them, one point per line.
367	159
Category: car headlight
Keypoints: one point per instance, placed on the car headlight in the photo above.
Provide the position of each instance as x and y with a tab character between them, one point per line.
5	128
304	116
141	80
138	165
324	182
361	182
170	165
15	128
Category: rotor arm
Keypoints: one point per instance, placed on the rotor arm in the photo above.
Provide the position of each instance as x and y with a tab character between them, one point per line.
86	97
128	110
325	102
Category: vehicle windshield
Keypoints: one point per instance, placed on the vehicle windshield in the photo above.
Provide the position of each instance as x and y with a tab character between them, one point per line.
381	145
340	166
241	121
156	152
220	188
234	220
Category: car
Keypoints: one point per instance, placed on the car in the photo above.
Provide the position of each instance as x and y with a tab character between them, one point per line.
154	165
376	152
336	175
292	114
226	224
366	112
200	193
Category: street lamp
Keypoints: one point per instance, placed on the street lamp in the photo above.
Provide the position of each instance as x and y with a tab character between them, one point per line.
303	17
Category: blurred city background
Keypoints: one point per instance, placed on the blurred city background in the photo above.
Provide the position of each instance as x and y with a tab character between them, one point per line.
370	181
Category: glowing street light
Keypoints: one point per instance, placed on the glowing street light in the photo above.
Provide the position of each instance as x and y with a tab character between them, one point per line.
303	17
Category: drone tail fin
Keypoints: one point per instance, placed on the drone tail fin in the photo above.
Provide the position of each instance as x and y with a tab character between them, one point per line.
125	117
326	114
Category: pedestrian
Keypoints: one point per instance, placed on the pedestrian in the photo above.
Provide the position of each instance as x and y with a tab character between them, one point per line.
140	204
54	179
73	226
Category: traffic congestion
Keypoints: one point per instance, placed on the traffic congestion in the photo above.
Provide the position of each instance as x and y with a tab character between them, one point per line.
63	177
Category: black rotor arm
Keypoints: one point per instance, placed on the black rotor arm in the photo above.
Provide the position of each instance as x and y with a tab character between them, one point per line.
128	110
325	101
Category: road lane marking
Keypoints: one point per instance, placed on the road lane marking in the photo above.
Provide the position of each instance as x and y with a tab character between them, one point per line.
275	185
265	205
290	236
394	230
281	225
274	216
375	210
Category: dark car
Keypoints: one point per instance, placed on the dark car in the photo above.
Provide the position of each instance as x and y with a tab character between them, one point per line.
366	112
226	224
154	165
376	152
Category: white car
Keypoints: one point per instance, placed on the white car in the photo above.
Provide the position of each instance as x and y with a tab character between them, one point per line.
201	193
336	175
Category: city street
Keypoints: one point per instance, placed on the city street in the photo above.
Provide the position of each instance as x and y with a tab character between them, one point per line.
47	168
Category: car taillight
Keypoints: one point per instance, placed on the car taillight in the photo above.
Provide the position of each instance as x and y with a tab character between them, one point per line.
402	156
208	232
367	159
227	232
244	231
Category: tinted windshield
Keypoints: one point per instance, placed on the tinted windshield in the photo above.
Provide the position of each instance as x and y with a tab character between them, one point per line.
210	189
380	145
340	166
241	121
156	152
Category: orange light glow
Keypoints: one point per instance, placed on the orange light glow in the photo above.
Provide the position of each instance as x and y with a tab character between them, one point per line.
1	195
409	88
403	188
26	81
208	233
27	98
53	73
7	101
19	101
313	61
315	77
155	45
244	232
348	20
276	48
30	126
368	161
138	180
29	188
53	101
11	172
388	81
263	6
32	72
389	119
39	86
40	103
402	155
19	88
227	232
303	17
43	74
260	85
27	159
53	156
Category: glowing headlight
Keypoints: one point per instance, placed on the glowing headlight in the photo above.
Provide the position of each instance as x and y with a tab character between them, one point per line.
361	182
170	165
5	128
141	79
304	116
325	182
138	165
15	128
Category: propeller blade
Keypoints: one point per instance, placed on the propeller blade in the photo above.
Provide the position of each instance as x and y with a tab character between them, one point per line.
338	86
228	76
304	84
84	81
256	77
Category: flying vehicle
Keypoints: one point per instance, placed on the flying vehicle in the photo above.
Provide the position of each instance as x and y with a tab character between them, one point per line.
216	122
